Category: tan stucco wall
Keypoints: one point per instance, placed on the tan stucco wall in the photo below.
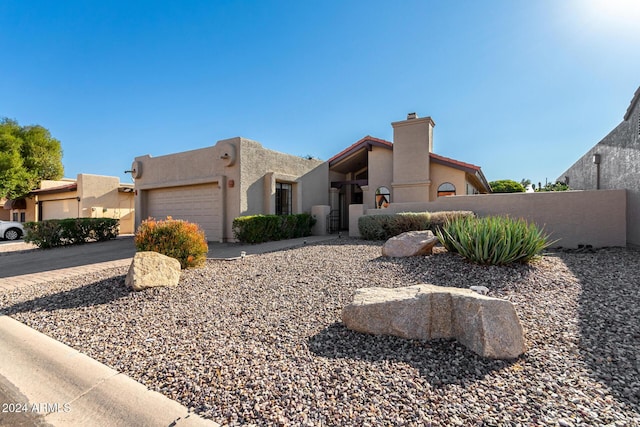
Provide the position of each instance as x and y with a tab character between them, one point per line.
47	183
246	173
595	218
441	174
218	164
261	168
380	174
412	143
99	198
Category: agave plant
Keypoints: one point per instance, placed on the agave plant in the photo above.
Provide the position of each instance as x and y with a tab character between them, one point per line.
494	240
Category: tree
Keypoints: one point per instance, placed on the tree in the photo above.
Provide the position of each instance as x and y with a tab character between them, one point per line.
28	155
506	186
558	186
525	182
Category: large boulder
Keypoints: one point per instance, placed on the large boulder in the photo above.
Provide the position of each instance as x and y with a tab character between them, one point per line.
410	243
488	326
152	269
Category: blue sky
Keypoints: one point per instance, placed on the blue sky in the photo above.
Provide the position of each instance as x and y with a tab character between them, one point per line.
520	88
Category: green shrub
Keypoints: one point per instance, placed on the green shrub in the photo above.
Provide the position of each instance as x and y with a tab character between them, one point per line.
506	186
385	226
175	238
265	228
439	219
71	231
493	240
376	227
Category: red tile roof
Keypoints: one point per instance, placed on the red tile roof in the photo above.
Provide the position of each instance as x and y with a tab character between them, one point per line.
359	145
452	162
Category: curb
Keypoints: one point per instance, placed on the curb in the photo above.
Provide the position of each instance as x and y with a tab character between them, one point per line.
69	388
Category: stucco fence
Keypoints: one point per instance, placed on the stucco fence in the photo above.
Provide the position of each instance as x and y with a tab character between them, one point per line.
574	218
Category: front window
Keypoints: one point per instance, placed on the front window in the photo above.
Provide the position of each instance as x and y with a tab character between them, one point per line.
283	198
446	189
383	197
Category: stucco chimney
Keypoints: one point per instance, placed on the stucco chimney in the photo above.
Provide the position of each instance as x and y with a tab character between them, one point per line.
412	143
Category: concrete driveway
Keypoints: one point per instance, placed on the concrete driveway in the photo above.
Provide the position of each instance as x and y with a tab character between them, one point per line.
19	263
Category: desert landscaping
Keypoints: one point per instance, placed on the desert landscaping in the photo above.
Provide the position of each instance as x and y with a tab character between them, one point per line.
260	341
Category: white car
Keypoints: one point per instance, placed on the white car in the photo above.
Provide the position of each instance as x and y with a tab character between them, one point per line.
11	230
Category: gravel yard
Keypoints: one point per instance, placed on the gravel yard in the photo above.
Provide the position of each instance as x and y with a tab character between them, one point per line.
259	341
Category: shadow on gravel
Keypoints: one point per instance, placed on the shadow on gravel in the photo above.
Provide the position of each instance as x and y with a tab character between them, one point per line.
97	293
440	362
447	269
609	318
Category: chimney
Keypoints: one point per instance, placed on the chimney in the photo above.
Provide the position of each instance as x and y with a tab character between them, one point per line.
412	143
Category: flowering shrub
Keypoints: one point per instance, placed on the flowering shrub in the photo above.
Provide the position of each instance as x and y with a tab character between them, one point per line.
175	238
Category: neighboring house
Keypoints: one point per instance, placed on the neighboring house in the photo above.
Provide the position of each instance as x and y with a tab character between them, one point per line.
374	172
211	186
88	196
5	212
614	163
237	177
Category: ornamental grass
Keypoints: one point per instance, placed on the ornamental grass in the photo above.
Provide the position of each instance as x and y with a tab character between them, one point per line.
494	240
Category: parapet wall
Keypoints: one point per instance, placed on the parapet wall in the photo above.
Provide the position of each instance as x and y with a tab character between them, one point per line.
596	218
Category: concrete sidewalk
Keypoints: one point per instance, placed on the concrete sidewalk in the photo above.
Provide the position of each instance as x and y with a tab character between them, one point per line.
64	387
60	386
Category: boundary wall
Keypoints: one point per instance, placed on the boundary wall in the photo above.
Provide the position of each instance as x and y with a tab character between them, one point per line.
596	218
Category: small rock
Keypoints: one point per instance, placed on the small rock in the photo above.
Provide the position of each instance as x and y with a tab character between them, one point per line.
482	290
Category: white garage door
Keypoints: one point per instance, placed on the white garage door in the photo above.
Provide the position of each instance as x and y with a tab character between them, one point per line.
199	204
59	209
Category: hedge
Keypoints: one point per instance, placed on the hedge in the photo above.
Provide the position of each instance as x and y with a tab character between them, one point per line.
51	233
265	228
385	226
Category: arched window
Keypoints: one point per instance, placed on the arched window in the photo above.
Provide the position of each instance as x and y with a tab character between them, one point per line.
383	197
447	189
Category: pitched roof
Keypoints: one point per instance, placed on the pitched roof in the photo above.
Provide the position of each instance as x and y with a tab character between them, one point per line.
52	190
634	101
468	167
364	142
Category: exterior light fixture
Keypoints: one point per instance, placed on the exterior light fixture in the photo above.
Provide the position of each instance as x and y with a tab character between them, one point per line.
596	161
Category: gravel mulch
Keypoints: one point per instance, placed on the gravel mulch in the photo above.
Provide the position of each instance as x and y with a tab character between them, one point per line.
259	341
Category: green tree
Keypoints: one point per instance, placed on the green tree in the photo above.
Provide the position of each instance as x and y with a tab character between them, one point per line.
506	186
28	154
558	186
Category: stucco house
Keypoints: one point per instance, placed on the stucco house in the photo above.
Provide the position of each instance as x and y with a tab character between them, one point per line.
614	163
211	186
374	172
236	177
87	196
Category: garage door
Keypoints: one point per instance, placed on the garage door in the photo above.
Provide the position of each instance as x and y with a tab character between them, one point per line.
199	204
59	209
